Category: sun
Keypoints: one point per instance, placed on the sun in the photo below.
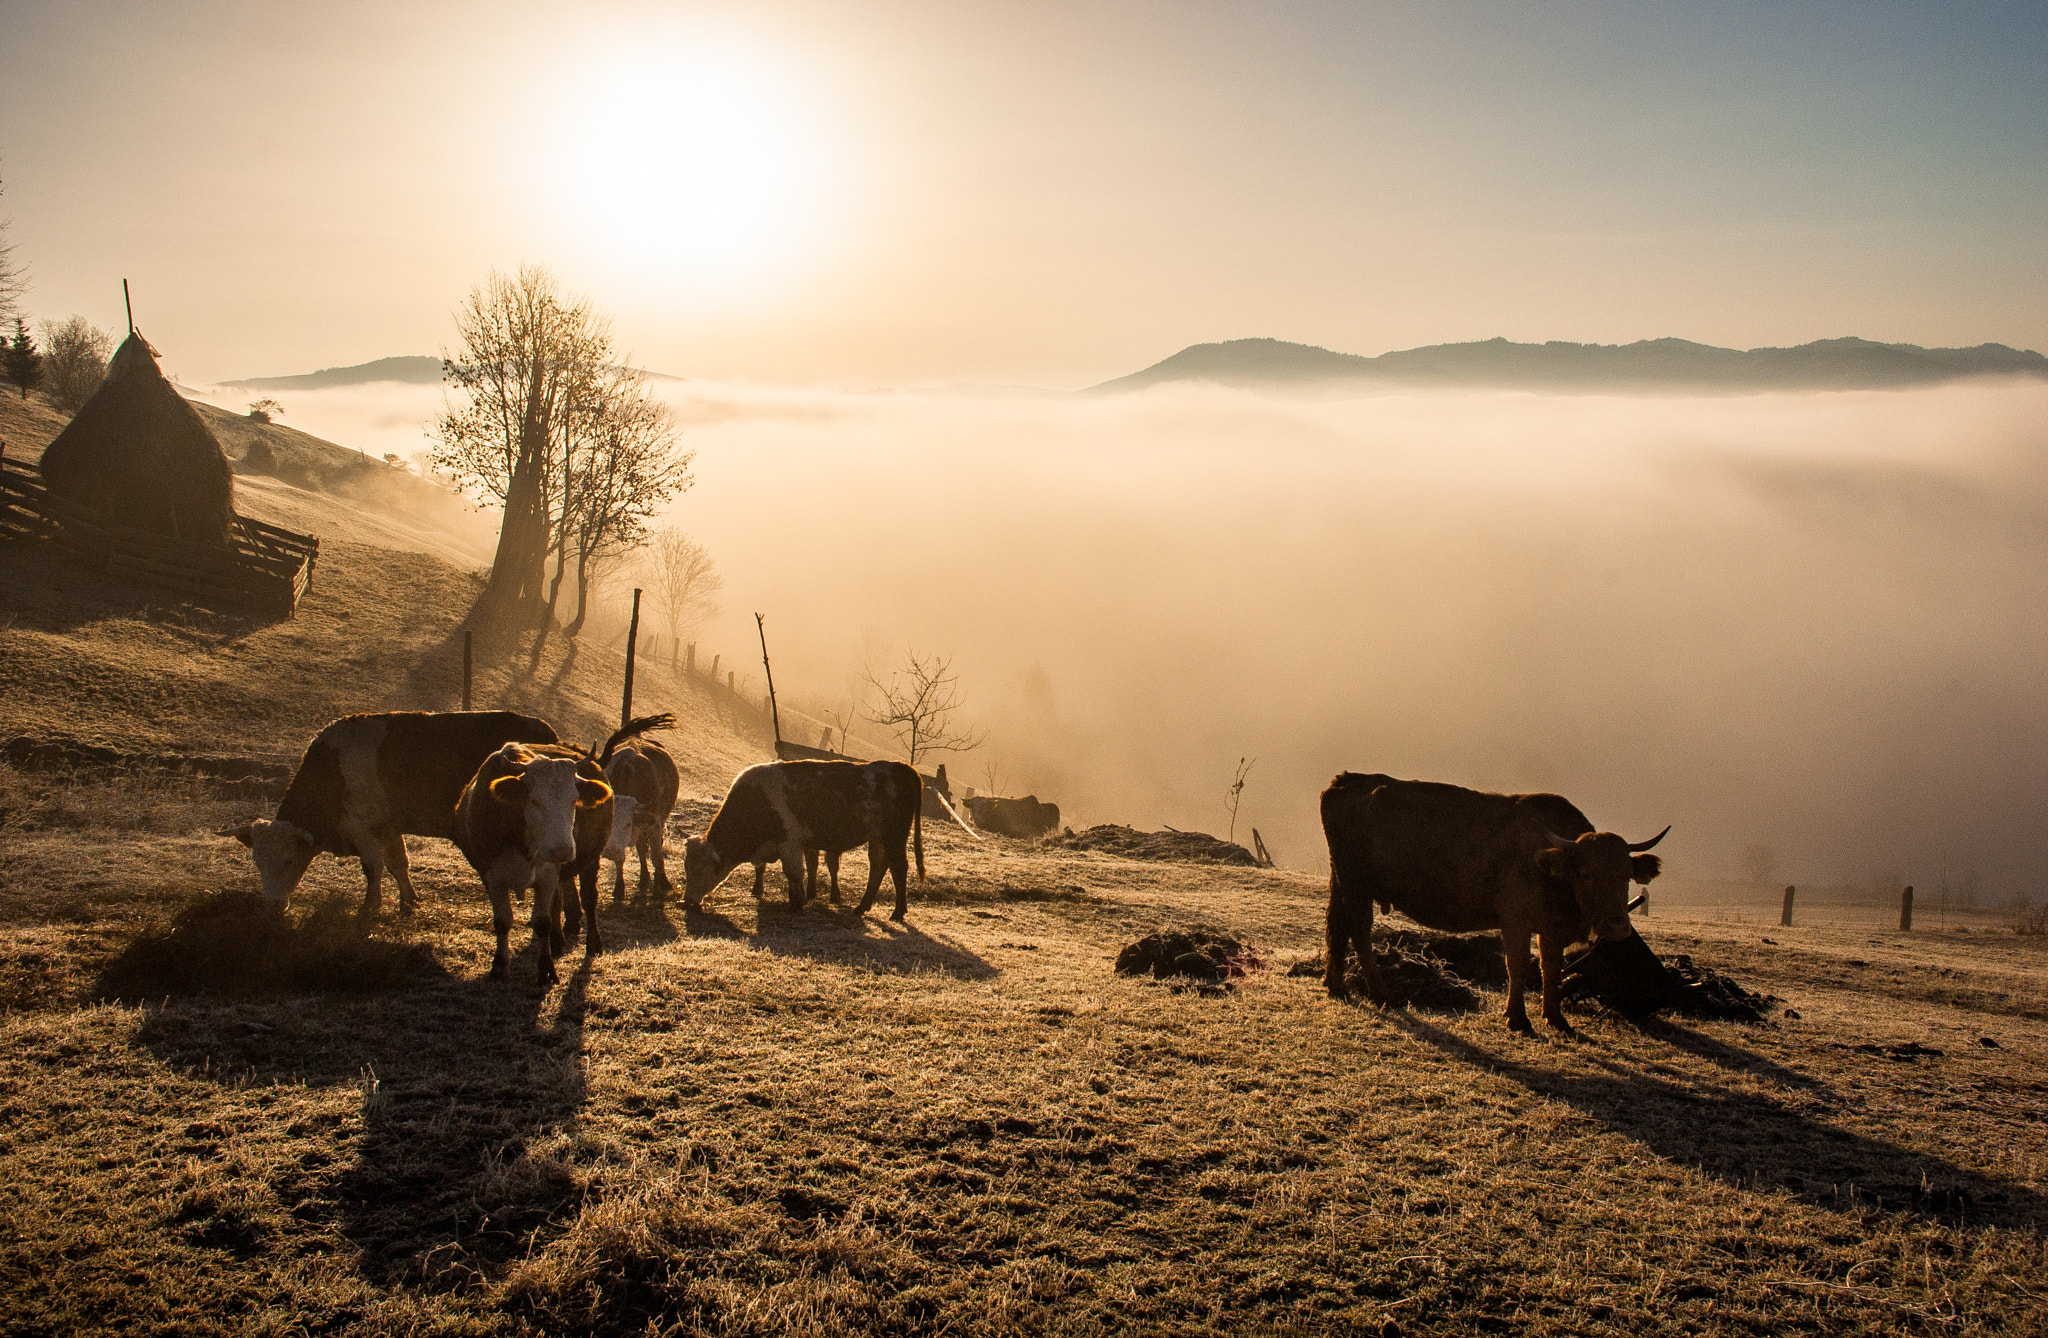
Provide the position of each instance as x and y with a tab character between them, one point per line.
695	163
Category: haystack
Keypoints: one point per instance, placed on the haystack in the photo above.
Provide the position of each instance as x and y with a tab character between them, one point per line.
140	456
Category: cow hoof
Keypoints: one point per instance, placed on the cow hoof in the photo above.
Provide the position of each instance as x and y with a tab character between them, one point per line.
1562	1027
498	971
897	916
1520	1025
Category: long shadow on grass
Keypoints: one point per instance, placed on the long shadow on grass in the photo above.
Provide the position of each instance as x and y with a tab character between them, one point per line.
1745	1140
862	942
457	1079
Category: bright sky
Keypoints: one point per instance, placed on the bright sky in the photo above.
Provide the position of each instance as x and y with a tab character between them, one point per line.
1050	193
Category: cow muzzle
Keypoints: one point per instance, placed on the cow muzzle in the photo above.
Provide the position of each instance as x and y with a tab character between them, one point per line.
1613	930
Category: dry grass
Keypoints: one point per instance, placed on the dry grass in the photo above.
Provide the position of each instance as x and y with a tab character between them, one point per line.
765	1121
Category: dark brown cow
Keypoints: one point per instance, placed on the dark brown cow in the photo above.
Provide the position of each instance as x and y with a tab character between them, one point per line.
644	784
782	810
368	781
1462	861
532	815
1013	817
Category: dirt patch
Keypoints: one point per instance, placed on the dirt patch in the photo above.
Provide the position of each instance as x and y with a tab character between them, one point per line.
1129	843
240	944
1196	954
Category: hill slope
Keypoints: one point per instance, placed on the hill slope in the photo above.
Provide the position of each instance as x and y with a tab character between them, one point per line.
1647	365
413	370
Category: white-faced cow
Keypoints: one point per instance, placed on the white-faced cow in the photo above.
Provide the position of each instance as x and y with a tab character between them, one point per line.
532	815
368	781
1463	861
644	784
782	810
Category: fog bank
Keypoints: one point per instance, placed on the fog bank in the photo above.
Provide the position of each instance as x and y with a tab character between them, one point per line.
1809	622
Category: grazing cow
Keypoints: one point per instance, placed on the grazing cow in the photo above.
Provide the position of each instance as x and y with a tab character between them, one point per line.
644	783
530	815
787	810
368	781
1013	817
1462	861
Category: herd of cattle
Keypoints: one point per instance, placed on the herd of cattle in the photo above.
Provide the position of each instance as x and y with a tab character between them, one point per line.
530	812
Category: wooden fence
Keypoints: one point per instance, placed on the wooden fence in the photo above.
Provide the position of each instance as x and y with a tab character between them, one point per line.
264	566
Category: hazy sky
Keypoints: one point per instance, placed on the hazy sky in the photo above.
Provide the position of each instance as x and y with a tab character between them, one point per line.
1048	193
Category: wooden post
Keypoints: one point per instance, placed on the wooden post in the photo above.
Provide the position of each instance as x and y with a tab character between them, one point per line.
632	638
825	739
774	711
714	668
730	685
467	635
1906	911
690	660
1785	918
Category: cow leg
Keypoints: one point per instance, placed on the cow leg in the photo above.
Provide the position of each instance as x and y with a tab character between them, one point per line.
641	889
619	880
793	873
501	922
832	867
1516	944
899	869
661	883
876	863
571	910
370	850
1551	952
1347	926
586	883
759	871
810	873
401	873
547	933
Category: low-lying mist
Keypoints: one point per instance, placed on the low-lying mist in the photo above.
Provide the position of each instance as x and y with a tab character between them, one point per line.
1810	623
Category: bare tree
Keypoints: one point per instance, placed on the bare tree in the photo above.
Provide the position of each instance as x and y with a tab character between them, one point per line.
991	776
266	410
1236	794
75	357
844	716
13	277
917	702
684	580
1759	862
623	462
528	353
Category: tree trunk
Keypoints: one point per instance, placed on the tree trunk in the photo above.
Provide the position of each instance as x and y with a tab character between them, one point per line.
582	596
520	564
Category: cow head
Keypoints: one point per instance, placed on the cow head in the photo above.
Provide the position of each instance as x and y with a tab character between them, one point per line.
703	869
625	810
1598	868
548	791
282	850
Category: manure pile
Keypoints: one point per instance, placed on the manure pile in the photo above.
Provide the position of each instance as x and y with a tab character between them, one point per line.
1129	843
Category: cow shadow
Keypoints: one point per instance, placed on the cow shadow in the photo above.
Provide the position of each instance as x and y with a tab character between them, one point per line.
457	1081
822	932
1747	1140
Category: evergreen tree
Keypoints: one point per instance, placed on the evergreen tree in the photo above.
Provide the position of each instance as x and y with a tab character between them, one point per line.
24	363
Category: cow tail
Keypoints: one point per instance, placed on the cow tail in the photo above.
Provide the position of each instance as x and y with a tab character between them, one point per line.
917	835
633	729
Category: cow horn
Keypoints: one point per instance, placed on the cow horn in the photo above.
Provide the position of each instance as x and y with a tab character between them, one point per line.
1561	842
1645	845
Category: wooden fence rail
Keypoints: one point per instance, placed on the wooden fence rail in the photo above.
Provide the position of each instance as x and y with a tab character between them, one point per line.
264	565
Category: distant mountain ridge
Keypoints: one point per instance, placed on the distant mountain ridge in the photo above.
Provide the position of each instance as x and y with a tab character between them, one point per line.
1649	364
412	370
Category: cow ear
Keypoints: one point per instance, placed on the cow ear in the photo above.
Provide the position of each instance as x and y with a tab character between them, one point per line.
1553	861
246	833
1643	868
509	790
590	793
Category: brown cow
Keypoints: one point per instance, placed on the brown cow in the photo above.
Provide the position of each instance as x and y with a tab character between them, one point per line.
532	814
785	810
644	784
1462	861
366	782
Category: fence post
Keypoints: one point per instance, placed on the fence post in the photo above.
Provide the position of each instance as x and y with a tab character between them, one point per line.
714	669
632	637
690	660
1786	918
466	634
1906	910
730	685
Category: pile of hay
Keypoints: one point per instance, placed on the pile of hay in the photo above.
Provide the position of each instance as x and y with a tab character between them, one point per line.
138	455
238	944
1432	972
1196	954
1186	847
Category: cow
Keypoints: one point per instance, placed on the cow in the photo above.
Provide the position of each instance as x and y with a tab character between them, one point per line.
1462	861
785	810
1013	817
368	781
532	814
644	784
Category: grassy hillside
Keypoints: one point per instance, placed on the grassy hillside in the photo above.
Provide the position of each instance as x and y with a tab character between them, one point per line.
758	1120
